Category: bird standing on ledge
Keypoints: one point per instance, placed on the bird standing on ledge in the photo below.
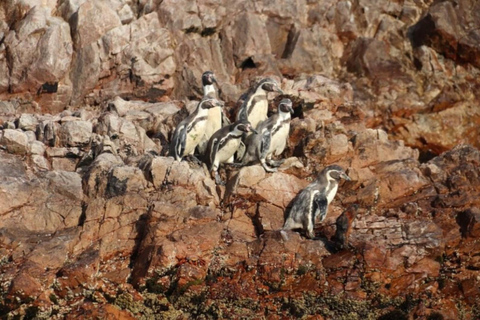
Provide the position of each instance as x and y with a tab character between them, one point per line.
223	144
216	118
271	139
190	131
311	204
255	107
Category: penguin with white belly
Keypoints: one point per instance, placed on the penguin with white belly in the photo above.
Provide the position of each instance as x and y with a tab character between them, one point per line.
311	204
190	131
271	139
216	118
255	106
223	145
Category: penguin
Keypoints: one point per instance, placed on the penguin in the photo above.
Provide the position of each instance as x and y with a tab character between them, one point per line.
311	203
272	138
223	145
255	106
216	118
208	79
344	225
190	131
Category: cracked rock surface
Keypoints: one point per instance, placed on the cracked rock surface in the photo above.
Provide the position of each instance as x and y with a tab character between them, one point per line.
97	221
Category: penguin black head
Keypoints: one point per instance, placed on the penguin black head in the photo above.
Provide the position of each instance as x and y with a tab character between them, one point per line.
336	172
245	126
285	105
208	103
270	85
208	78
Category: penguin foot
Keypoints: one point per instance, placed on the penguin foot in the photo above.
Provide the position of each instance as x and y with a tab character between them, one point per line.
192	158
219	180
268	169
310	235
276	163
234	165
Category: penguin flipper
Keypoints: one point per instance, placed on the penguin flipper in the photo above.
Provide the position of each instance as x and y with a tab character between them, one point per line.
262	150
240	151
225	120
264	145
177	145
212	152
320	206
180	149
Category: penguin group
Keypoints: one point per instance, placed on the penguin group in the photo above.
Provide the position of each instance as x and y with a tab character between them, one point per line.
208	133
256	138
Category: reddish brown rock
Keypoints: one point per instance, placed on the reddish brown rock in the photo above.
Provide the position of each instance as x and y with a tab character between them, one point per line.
75	276
93	311
90	204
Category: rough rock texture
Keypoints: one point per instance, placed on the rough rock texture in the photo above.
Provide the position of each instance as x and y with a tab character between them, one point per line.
98	222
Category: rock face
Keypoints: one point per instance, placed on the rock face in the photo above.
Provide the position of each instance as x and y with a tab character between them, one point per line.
97	221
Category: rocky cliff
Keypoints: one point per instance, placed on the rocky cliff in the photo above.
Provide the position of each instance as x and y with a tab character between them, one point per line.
98	223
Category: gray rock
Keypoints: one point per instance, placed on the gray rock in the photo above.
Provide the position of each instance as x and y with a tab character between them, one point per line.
68	184
125	179
15	141
40	162
95	179
6	107
75	133
63	164
27	122
158	169
36	147
9	125
64	152
30	136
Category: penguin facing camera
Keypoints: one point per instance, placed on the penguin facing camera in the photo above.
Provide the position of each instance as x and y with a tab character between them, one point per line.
216	118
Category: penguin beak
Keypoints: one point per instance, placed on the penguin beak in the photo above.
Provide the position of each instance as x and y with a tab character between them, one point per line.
214	79
344	176
290	109
253	130
279	90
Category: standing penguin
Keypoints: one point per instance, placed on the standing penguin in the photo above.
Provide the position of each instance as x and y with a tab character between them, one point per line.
255	106
189	131
311	203
223	144
271	139
216	119
344	225
208	79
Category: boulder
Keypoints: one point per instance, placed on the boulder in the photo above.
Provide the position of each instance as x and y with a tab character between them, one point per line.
27	122
15	141
42	48
91	21
75	133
